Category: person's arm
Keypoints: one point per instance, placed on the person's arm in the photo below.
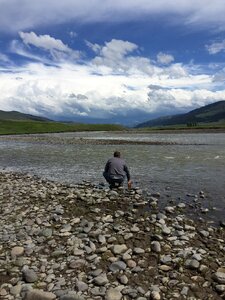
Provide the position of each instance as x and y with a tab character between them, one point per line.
129	182
127	172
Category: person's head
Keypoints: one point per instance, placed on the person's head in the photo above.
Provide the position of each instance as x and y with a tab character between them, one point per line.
116	154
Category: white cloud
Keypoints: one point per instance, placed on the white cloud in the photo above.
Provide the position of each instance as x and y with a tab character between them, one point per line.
164	58
176	70
113	54
215	48
56	47
118	56
172	99
18	48
43	41
44	12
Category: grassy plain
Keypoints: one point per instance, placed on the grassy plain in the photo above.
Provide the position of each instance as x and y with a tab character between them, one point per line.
28	127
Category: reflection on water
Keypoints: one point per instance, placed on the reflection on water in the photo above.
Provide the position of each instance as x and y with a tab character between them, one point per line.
180	169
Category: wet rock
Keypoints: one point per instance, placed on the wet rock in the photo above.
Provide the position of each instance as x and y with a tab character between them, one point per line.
222	223
169	209
181	205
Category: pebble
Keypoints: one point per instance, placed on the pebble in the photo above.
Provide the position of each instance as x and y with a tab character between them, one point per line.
101	280
156	247
113	294
30	276
39	295
155	295
220	288
118	249
17	251
219	276
192	264
117	266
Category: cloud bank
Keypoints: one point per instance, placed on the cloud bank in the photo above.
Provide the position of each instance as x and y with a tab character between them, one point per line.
115	84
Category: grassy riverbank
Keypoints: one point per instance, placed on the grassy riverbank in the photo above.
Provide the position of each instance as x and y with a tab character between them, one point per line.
184	127
27	127
8	127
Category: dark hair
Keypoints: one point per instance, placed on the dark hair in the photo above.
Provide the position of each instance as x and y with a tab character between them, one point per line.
116	154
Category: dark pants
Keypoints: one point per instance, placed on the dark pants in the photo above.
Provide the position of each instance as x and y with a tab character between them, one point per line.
114	180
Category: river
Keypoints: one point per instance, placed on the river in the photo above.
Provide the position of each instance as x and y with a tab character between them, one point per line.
186	163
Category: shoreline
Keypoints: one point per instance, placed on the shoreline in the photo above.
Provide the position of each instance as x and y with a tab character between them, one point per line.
80	241
39	138
127	131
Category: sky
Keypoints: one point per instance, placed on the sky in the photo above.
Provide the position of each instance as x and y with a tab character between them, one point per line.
111	61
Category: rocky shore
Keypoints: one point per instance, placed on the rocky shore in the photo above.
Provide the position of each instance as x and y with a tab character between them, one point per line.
45	139
83	242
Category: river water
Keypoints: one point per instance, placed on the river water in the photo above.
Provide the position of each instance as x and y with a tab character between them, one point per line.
188	164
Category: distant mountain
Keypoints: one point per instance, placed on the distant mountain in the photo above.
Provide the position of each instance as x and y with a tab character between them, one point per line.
214	112
16	116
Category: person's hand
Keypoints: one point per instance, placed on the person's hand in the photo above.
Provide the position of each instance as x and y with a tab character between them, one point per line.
129	184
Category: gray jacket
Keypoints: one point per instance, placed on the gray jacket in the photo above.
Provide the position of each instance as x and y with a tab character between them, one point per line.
116	166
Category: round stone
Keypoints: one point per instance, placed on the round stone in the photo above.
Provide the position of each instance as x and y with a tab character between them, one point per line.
219	276
155	295
101	280
118	249
117	266
113	294
192	264
30	276
17	251
156	247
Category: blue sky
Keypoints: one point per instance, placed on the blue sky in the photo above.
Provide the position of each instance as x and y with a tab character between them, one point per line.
111	61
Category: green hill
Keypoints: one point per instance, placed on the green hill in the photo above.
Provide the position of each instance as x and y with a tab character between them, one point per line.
15	115
210	114
18	123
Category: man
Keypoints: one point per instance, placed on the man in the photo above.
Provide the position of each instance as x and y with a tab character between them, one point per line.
116	171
